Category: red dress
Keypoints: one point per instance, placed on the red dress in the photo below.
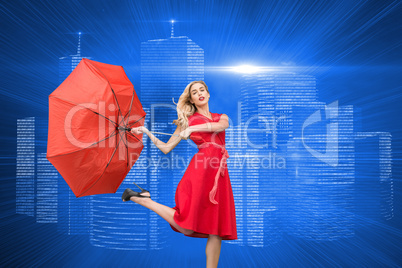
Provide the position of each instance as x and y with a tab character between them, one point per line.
204	196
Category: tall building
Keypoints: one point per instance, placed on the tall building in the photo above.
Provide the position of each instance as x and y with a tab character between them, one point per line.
321	175
36	178
25	173
40	190
374	192
331	170
74	213
274	107
68	63
47	178
267	99
167	66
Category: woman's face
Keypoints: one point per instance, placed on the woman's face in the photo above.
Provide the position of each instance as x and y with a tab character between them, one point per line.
199	94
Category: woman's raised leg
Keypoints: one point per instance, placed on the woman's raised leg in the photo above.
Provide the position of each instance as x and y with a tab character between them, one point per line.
164	211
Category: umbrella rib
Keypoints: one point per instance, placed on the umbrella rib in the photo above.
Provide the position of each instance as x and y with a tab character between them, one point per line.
118	106
126	144
121	138
126	138
70	102
125	134
122	120
110	136
136	121
131	105
110	160
134	136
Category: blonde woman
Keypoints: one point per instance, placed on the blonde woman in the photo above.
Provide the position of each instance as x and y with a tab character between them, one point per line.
204	199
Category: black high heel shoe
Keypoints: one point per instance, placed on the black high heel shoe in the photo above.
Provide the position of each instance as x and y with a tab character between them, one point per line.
128	193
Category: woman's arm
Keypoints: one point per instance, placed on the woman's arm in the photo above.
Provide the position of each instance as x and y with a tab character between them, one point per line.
212	127
165	147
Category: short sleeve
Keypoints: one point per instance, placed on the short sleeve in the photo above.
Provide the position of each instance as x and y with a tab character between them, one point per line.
191	119
218	117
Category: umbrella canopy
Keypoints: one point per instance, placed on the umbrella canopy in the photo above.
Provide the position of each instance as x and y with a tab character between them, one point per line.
90	115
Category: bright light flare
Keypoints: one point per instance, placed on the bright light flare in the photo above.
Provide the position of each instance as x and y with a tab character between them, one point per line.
246	69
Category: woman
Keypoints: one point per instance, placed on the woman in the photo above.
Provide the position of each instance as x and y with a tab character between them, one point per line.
204	199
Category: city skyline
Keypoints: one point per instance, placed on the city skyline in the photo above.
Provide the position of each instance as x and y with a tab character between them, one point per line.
273	93
312	95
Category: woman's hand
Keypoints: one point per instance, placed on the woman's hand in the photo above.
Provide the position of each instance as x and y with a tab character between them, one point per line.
185	134
138	130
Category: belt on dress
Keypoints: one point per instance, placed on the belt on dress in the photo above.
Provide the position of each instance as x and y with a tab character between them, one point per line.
221	171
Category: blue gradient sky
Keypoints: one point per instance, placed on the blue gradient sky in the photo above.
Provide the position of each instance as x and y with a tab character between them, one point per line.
352	47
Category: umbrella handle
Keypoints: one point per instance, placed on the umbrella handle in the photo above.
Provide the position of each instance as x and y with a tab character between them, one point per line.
129	129
167	134
164	133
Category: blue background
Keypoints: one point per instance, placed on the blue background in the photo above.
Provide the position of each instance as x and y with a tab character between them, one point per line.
354	48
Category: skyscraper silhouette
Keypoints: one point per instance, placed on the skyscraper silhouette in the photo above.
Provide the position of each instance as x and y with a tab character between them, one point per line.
36	178
374	184
25	173
167	66
276	104
74	213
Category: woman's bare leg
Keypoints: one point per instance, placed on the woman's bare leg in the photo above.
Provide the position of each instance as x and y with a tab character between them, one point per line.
213	250
164	211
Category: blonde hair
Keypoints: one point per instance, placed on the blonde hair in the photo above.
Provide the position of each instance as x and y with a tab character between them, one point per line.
184	107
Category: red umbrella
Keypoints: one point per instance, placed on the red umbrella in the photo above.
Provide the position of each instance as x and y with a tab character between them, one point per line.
89	138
